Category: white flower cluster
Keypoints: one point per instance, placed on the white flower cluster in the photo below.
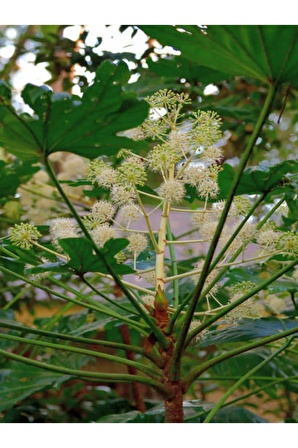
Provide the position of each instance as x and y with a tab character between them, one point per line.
178	142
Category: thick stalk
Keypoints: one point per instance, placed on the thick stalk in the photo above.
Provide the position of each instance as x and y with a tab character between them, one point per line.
160	254
178	352
174	407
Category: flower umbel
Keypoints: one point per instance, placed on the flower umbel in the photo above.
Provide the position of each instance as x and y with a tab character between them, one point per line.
206	130
24	235
101	234
101	173
172	191
132	171
137	243
102	211
63	228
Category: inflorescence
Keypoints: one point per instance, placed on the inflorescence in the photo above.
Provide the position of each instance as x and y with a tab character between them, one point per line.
185	153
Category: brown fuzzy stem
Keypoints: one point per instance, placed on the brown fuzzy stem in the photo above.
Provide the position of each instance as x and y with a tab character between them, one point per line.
174	407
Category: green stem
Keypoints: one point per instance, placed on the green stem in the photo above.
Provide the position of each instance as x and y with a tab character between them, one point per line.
178	351
237	230
237	302
254	378
16	298
82	303
75	339
50	251
104	296
100	307
68	348
270	213
91	376
224	267
217	259
238	383
8	252
157	332
197	371
243	397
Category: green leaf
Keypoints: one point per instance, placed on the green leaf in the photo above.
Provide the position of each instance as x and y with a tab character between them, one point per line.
255	180
82	258
166	73
267	52
47	267
21	381
249	329
237	414
125	417
87	126
16	136
238	275
37	97
14	174
113	246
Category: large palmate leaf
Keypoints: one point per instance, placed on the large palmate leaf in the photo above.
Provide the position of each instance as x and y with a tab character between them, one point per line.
231	414
88	126
249	329
268	52
13	174
20	381
82	258
255	180
237	414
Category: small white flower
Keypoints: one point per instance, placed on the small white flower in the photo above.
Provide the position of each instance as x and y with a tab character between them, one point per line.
137	243
63	228
212	154
102	234
102	211
121	195
129	213
172	191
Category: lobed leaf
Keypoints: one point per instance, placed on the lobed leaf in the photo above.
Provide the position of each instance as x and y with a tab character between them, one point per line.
265	52
249	329
87	126
256	180
21	381
83	259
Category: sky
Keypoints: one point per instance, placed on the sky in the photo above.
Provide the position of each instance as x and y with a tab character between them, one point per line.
113	41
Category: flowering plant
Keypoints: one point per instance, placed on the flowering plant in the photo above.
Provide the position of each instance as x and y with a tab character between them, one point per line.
158	236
